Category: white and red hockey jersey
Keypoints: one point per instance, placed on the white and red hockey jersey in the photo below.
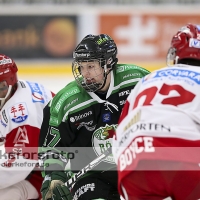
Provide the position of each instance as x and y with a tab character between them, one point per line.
160	120
20	121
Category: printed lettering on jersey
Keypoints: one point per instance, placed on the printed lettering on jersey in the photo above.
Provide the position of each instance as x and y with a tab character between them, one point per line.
102	140
80	116
106	117
18	112
141	127
83	189
72	91
138	145
87	125
121	103
126	92
4	116
69	104
21	137
130	75
179	73
123	68
37	95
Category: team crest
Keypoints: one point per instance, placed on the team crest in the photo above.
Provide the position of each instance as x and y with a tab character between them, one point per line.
102	140
18	112
21	137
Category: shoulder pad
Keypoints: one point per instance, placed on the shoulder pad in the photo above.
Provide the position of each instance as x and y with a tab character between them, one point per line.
58	102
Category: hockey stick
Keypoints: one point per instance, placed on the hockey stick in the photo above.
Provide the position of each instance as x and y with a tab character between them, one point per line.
88	167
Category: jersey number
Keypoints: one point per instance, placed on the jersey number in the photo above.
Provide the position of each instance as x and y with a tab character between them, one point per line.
184	96
56	137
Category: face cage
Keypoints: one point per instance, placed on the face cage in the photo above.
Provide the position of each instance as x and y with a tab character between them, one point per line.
82	81
172	59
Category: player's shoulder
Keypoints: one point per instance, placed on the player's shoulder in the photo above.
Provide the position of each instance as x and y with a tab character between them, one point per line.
70	90
35	90
70	95
32	86
130	70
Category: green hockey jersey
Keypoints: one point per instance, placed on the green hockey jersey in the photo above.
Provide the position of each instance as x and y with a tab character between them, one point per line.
82	123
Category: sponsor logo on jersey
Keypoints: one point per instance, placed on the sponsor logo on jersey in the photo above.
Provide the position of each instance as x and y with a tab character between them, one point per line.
133	120
126	92
37	95
106	117
129	75
66	95
83	189
21	137
192	75
102	140
144	127
124	68
87	125
18	112
121	103
69	104
4	116
80	116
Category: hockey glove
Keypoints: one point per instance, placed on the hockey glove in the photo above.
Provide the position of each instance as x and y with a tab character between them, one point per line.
53	187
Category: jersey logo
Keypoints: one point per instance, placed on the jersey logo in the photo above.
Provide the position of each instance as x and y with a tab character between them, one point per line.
80	116
18	112
37	95
176	74
102	140
21	137
123	68
106	117
87	125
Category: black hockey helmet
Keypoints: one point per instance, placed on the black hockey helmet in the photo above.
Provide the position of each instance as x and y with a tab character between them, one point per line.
94	47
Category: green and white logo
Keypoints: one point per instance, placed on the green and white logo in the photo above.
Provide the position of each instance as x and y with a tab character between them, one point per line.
102	140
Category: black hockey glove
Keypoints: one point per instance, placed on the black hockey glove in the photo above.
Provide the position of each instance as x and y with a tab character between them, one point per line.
53	187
